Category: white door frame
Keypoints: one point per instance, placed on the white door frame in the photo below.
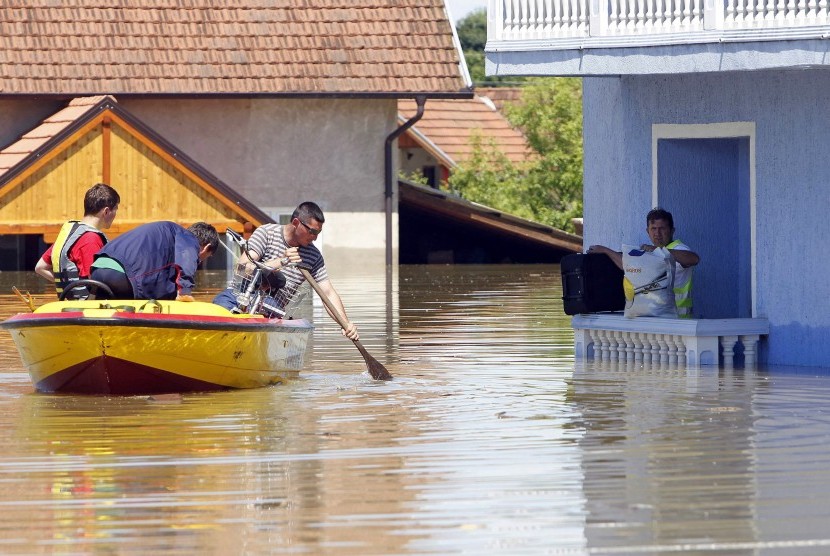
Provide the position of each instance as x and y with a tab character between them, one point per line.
713	131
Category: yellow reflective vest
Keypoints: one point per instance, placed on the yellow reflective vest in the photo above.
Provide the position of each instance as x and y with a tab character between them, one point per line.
65	269
682	284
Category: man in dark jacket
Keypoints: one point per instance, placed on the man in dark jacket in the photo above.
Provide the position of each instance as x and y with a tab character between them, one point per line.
155	261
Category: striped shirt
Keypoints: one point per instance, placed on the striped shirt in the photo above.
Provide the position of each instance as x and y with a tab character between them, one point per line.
268	241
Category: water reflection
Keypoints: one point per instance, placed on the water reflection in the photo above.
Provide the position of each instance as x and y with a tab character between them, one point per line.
489	440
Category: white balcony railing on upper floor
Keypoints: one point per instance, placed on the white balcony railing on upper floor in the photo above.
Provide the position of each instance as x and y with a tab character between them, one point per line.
559	22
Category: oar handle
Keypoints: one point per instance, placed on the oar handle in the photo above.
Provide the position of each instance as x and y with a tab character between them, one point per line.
335	313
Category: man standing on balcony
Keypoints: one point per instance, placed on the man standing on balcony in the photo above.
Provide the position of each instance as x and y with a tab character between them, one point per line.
660	229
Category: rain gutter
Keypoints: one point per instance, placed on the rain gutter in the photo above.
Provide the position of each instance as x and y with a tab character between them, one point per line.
389	176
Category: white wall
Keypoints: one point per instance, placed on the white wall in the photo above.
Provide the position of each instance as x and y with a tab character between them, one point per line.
280	152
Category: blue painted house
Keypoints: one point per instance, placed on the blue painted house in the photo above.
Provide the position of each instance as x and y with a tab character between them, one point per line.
717	110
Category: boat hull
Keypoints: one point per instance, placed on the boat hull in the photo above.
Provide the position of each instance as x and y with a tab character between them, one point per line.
132	347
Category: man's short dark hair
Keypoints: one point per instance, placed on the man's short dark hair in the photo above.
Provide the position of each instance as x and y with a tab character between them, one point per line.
98	197
659	214
308	210
206	234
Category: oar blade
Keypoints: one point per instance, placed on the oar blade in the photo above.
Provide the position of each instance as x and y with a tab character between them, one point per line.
376	370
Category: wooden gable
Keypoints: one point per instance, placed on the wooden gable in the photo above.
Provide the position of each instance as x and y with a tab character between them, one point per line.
98	141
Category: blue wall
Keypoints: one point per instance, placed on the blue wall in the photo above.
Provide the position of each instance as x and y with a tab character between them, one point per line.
791	111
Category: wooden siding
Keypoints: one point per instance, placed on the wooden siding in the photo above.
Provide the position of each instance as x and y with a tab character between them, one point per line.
152	183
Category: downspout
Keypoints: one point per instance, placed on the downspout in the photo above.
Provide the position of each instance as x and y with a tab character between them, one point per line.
421	100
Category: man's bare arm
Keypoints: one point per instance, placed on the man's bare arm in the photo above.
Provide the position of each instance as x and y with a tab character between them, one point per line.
685	258
615	256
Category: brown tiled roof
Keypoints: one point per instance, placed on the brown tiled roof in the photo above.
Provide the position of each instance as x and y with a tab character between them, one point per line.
500	95
449	125
51	127
254	47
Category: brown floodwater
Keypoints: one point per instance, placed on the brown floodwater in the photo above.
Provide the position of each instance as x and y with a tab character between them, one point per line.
490	440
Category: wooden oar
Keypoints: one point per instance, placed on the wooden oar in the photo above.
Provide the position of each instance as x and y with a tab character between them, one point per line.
377	370
26	297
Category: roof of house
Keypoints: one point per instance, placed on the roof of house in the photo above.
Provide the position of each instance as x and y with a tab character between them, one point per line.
237	47
447	127
71	125
32	143
500	95
467	213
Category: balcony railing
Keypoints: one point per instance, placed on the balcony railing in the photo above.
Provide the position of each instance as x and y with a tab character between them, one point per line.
688	343
579	23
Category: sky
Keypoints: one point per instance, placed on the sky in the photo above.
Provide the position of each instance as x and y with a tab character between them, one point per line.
461	8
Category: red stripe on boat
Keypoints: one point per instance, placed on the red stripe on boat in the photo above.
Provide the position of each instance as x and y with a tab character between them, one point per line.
111	375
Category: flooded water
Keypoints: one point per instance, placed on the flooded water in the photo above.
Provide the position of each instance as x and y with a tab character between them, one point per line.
490	440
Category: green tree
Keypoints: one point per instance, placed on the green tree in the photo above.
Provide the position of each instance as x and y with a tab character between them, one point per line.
472	30
548	187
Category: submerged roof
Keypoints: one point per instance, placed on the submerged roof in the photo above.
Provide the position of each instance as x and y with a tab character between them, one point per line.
467	213
245	47
448	126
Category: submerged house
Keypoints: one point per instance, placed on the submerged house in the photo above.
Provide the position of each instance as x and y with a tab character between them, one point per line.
719	112
445	135
268	104
439	227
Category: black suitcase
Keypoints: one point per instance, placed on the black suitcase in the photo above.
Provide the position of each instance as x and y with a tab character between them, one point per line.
591	283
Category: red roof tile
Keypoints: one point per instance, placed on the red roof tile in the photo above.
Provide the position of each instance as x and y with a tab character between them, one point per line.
76	47
450	124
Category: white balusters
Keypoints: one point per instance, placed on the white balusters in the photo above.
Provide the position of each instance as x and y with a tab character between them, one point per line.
649	16
583	16
672	350
812	12
614	17
595	342
679	344
636	337
728	345
677	15
548	17
655	349
687	13
769	16
633	19
781	12
681	351
750	343
610	345
552	19
629	347
606	353
729	18
510	23
802	14
620	352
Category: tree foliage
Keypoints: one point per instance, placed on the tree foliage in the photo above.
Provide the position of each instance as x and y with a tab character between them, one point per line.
472	30
548	187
